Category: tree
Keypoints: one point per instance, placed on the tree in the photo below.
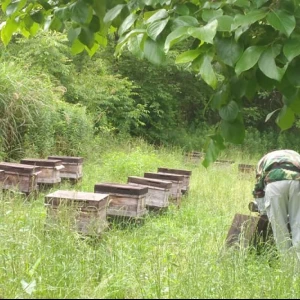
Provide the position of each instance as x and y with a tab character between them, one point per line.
238	47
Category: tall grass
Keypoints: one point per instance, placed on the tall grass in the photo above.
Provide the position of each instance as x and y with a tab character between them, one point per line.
178	254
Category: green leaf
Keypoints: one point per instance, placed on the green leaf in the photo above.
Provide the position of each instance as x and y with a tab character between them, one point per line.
285	118
229	112
134	45
228	50
12	8
158	15
213	148
220	98
113	13
281	21
153	52
224	23
182	9
155	28
211	14
86	37
81	12
233	132
265	82
207	72
291	48
94	25
73	33
248	19
271	114
127	23
176	36
37	17
248	59
260	3
188	56
293	74
77	47
185	21
268	66
205	33
7	30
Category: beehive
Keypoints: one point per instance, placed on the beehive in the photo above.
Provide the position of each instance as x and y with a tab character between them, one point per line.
50	169
194	157
125	200
244	168
88	210
186	176
177	184
20	177
158	190
72	167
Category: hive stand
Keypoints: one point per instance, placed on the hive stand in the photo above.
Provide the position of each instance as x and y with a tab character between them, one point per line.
158	191
125	200
19	177
186	176
177	185
87	211
72	167
50	169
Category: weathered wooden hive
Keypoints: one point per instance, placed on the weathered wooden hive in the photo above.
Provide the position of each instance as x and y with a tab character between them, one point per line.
86	210
125	200
50	169
186	176
177	184
158	190
244	168
223	162
73	167
20	177
194	157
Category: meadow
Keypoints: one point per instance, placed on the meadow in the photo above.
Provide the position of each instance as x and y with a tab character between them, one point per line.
176	254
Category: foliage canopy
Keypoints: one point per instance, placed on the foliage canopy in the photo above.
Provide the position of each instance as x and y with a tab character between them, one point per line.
238	47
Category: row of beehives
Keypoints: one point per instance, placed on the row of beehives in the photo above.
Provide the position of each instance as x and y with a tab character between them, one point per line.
195	157
133	199
30	172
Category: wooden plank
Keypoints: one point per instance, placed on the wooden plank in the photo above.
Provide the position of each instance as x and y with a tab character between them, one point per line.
19	168
125	189
245	230
174	171
42	162
244	168
224	161
164	176
67	159
150	182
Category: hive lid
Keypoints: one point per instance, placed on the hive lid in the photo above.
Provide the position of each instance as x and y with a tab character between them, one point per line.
19	168
115	188
68	159
174	171
166	184
164	176
41	162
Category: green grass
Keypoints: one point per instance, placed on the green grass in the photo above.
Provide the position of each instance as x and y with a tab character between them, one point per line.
177	254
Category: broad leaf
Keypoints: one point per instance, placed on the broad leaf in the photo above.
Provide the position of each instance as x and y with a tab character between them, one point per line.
86	37
220	98
176	36
7	30
291	48
160	14
188	56
77	47
81	12
211	14
228	50
113	13
286	118
153	52
269	115
229	112
207	72
155	28
248	19
212	149
224	23
249	59
281	21
268	65
185	21
233	132
127	23
124	39
205	33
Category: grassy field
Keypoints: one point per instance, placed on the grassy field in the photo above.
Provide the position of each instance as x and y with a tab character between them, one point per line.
178	254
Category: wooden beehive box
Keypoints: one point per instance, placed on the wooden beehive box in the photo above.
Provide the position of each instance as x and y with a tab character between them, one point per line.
186	176
50	169
194	157
247	230
158	190
125	200
73	167
20	177
244	168
177	184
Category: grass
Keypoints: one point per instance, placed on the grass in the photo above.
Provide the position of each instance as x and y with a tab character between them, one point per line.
177	254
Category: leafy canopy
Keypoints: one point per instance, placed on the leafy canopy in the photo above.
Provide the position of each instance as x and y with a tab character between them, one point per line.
237	47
